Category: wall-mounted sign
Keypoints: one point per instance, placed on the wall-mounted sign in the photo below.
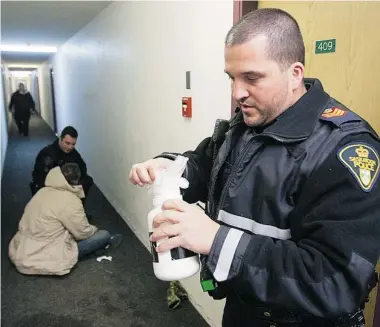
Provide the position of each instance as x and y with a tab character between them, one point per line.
325	46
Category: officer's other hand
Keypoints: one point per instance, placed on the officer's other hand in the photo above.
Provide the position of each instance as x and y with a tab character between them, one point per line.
144	173
183	224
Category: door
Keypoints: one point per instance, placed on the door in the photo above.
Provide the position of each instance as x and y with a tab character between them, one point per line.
352	73
37	86
241	8
53	99
5	102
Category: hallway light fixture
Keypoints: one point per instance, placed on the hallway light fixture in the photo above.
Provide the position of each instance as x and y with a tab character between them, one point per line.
27	48
18	73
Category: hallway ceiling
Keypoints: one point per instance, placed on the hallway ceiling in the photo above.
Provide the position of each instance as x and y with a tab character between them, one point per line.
44	22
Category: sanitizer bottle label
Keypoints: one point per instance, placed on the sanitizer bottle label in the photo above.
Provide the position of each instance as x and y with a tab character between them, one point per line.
175	254
153	246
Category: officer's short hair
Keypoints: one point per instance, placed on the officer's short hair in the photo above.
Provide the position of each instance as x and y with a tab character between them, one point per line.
285	42
69	130
71	172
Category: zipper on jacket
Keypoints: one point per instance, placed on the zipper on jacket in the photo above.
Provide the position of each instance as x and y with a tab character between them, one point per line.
237	164
235	167
211	191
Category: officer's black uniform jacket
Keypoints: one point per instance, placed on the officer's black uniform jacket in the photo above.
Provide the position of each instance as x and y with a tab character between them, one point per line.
52	156
299	210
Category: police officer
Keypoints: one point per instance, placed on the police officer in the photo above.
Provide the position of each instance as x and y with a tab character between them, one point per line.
291	231
60	152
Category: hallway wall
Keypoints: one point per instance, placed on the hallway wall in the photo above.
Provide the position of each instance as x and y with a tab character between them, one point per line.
46	104
120	81
3	126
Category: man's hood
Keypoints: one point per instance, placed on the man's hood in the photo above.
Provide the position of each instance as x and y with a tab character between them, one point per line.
55	179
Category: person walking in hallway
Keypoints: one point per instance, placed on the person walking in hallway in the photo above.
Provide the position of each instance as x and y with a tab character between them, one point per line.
23	105
290	235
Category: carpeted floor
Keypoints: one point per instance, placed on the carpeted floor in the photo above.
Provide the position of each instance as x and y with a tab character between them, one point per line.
121	293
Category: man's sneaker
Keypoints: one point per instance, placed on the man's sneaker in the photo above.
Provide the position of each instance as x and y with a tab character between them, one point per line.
171	297
180	291
115	241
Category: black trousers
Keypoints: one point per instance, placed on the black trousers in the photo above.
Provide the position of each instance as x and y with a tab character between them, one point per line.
86	182
22	123
240	313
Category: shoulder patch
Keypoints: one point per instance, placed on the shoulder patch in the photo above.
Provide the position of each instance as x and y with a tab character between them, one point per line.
334	112
339	116
362	160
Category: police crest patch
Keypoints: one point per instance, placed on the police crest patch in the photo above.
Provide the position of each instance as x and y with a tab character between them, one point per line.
362	161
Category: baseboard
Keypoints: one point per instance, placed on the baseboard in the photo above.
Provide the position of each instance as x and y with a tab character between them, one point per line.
145	242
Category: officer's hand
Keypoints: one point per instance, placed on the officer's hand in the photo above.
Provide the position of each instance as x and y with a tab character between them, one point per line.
188	226
144	173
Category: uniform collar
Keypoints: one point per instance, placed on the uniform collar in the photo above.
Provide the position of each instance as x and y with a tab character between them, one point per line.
298	121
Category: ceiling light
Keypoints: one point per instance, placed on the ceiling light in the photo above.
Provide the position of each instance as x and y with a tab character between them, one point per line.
18	73
21	65
27	48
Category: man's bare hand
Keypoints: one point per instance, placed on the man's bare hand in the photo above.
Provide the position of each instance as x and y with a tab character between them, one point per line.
144	173
186	225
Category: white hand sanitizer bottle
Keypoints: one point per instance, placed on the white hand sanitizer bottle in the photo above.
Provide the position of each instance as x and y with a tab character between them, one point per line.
178	263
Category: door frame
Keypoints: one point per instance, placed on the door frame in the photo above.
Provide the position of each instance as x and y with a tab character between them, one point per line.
38	98
51	72
376	316
240	8
5	97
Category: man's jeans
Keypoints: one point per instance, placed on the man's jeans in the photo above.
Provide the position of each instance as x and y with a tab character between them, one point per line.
96	242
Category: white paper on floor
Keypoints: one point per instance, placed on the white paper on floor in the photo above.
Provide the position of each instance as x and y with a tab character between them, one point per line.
104	257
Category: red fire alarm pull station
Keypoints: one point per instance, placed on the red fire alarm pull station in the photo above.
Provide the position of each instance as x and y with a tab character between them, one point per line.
186	107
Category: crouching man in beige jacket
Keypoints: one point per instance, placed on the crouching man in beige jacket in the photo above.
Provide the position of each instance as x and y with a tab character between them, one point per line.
54	232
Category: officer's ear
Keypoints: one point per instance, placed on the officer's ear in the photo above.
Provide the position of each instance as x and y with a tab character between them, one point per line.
296	73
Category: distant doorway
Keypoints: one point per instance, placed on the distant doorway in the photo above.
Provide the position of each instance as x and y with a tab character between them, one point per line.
5	102
38	99
53	99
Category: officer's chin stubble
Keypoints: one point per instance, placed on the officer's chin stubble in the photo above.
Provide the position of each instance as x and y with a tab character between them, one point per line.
257	117
256	120
261	116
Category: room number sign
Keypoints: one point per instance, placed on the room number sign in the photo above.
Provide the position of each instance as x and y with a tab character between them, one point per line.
325	46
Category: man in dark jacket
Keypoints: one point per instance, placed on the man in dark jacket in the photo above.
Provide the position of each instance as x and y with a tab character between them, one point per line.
291	231
23	104
56	154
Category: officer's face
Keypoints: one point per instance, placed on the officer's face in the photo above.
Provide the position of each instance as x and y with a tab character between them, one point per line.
67	143
261	87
